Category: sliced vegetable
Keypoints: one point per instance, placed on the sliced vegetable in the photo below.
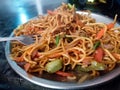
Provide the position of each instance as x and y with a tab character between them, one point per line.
83	69
53	66
27	66
51	12
99	53
100	34
116	55
65	74
110	25
19	59
57	39
55	55
97	66
94	66
96	45
70	6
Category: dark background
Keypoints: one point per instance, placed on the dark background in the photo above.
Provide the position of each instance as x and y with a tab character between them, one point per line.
16	12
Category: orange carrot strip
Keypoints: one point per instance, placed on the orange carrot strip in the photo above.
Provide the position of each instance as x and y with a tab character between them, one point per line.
110	25
51	12
19	59
55	55
100	34
27	66
116	55
99	53
87	60
34	53
64	74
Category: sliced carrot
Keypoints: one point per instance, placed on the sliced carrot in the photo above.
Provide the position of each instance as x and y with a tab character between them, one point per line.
99	53
110	25
51	12
34	54
116	55
64	74
19	59
100	34
54	55
87	60
27	66
80	23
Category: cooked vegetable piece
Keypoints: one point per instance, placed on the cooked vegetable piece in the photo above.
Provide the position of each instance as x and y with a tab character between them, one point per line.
65	74
53	66
96	45
116	55
27	66
100	34
70	6
51	12
94	66
110	25
97	66
84	69
57	39
99	53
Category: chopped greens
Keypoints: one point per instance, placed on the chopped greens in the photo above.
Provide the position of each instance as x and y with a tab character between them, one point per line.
96	45
57	39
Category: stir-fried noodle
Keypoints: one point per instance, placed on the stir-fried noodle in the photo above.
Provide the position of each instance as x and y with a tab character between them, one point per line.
75	42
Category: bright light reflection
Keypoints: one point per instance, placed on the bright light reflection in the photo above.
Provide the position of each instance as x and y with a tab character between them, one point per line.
91	1
39	6
23	16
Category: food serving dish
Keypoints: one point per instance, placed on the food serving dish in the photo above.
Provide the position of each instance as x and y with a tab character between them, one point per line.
64	85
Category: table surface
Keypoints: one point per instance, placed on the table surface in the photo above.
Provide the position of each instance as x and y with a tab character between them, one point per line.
16	12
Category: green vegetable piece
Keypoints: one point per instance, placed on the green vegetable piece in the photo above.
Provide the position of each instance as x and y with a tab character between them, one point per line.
96	45
57	39
53	66
94	66
70	6
80	68
97	66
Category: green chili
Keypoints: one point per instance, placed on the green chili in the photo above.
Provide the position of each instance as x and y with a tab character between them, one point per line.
96	45
57	39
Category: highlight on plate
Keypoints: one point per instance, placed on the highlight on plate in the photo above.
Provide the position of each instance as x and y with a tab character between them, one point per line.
69	47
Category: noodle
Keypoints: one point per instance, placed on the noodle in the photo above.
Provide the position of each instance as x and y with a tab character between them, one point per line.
70	37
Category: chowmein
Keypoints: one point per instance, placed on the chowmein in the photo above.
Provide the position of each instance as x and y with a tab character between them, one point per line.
68	45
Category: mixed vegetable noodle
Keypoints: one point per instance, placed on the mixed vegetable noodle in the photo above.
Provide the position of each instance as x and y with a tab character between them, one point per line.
69	46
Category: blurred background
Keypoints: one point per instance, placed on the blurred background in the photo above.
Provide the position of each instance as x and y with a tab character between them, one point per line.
16	12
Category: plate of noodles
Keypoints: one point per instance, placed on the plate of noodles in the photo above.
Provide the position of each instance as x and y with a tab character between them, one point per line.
71	49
